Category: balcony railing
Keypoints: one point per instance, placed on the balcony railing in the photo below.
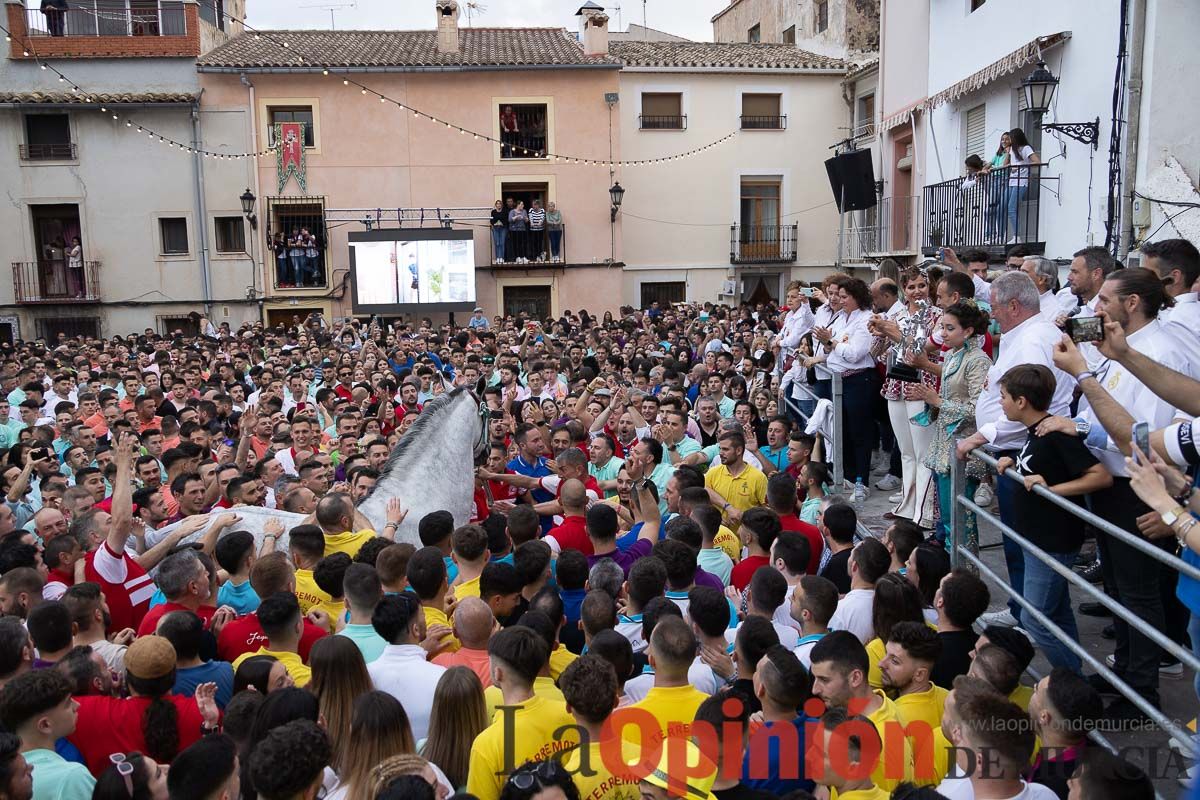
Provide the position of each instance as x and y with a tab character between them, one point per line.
761	123
992	210
54	281
652	122
863	131
47	152
110	18
763	244
888	229
529	247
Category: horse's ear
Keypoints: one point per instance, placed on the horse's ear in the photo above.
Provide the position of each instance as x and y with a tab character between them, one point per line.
480	385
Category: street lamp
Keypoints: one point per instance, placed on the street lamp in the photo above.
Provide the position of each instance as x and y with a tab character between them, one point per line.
616	193
1039	88
248	199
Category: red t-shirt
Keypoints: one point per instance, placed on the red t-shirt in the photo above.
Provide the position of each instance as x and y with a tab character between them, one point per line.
790	522
245	635
479	507
109	725
744	570
150	621
572	535
126	586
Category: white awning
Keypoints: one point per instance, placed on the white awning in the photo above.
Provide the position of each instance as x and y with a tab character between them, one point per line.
1026	54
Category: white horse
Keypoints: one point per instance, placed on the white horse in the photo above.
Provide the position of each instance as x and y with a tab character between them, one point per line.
431	469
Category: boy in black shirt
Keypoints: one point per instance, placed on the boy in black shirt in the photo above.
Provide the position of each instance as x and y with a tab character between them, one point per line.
1064	465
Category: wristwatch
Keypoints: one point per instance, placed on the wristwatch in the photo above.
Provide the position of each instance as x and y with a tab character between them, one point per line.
1171	517
1083	427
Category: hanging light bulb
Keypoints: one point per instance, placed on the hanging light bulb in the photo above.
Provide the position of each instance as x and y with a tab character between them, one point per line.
345	82
324	72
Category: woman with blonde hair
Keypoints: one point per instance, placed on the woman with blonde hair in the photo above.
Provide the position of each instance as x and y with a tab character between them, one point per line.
339	675
459	714
378	728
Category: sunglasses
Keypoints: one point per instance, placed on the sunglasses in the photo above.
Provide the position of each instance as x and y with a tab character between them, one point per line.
541	774
124	769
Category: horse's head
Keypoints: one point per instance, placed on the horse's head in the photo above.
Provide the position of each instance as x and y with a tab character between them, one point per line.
481	419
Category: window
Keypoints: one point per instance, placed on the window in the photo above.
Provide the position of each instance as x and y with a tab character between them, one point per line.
865	125
523	130
292	114
213	12
47	136
534	301
167	326
754	35
231	235
662	111
760	232
789	35
173	235
664	293
761	111
298	240
49	328
975	132
977	4
821	15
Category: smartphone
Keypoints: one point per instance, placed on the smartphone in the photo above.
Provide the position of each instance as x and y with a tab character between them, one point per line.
1141	439
1085	329
807	291
40	454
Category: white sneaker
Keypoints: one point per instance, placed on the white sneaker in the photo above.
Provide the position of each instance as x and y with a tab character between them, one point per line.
984	496
896	498
887	483
1003	618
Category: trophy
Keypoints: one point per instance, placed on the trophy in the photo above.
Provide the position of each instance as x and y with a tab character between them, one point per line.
913	335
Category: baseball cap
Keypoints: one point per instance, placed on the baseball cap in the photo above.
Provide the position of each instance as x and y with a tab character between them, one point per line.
150	657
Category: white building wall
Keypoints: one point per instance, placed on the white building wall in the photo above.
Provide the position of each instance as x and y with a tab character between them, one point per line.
676	216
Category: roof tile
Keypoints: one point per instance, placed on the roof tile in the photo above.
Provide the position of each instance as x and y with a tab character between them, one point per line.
732	55
95	98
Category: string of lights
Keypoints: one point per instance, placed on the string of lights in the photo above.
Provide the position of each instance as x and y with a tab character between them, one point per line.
29	51
349	81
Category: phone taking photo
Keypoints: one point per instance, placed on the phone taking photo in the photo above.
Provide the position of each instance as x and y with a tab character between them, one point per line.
1085	329
1141	439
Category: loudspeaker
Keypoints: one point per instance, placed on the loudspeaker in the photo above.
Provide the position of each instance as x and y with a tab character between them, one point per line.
854	174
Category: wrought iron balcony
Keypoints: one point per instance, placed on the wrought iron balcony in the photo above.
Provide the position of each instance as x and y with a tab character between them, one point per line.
53	281
763	244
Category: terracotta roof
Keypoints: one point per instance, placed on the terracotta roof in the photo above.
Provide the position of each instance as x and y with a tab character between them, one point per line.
857	69
402	50
95	99
739	55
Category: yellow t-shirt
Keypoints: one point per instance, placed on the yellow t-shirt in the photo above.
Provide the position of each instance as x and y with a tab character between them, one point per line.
560	659
543	687
874	793
923	711
299	671
673	708
533	728
309	594
747	490
875	652
435	616
1021	696
603	785
938	754
728	541
347	542
466	589
885	714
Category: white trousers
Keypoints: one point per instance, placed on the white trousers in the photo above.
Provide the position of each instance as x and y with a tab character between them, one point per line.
913	441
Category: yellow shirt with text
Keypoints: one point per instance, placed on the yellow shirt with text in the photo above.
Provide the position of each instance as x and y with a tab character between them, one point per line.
527	735
728	541
309	594
673	708
747	490
603	785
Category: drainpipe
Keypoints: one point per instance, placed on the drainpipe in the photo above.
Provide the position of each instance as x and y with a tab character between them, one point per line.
201	208
262	254
1133	115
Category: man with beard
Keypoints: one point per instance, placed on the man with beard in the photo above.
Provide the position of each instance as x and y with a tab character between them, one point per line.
910	653
90	616
734	485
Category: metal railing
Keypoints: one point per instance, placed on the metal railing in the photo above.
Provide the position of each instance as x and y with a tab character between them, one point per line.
863	131
763	244
961	504
535	247
110	18
991	209
758	122
53	280
658	122
887	229
47	152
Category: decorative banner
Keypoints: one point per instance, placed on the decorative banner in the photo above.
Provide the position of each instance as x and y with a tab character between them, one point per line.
289	154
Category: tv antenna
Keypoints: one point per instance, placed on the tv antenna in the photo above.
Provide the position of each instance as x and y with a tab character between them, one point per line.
474	7
331	8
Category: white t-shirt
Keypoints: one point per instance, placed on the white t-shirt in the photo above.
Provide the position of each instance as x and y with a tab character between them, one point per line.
854	614
963	789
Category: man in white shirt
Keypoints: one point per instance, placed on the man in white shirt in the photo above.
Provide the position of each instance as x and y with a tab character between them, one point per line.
1177	263
402	670
1029	338
1132	297
1044	273
868	563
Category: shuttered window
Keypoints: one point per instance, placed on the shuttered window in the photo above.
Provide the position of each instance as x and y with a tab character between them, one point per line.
976	132
662	104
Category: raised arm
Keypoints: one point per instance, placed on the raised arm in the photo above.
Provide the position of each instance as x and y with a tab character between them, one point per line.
122	496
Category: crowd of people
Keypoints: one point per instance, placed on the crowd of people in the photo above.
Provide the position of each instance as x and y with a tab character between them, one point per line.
661	591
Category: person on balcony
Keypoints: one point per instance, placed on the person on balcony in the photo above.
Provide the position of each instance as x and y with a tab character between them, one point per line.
295	245
56	16
499	230
1018	157
280	248
312	260
510	131
996	184
75	282
537	231
554	229
518	233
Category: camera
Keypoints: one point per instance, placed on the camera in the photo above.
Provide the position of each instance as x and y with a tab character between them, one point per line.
1085	329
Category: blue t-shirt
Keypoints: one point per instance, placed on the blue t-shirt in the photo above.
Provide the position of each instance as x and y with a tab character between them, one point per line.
240	597
218	672
451	569
535	470
572	601
791	766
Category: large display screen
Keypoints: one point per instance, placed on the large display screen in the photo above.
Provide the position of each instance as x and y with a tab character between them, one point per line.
429	268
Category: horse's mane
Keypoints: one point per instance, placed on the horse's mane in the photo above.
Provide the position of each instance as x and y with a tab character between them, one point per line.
425	421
